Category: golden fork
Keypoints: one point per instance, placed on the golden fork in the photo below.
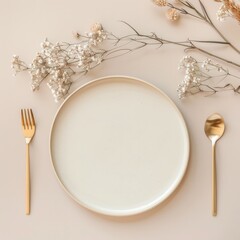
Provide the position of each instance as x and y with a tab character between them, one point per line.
29	126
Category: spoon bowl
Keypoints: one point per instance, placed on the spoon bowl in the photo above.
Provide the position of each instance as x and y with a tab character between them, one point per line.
214	129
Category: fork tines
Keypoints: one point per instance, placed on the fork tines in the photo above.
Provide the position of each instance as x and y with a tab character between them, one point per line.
27	118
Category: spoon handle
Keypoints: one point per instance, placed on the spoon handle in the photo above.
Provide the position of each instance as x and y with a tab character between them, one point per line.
214	182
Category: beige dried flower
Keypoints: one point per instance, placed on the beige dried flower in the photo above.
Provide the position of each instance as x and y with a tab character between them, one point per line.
172	14
228	8
233	8
160	3
96	27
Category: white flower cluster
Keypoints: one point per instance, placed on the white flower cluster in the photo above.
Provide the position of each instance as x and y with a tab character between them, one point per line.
200	76
228	8
223	12
191	68
209	65
18	65
59	62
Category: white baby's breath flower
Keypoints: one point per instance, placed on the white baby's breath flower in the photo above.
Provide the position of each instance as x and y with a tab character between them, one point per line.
223	13
58	63
191	68
18	65
96	27
229	8
200	76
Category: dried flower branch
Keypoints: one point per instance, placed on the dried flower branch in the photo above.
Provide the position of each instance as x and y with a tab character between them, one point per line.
62	63
144	40
187	8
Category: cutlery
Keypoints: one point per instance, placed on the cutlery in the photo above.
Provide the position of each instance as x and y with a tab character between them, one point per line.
28	126
214	129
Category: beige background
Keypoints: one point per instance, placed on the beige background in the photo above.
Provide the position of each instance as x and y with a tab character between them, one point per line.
186	215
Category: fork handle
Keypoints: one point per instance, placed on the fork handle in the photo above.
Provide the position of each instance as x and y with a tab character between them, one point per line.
27	180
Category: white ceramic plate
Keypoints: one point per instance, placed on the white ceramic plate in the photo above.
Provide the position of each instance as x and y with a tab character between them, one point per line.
119	146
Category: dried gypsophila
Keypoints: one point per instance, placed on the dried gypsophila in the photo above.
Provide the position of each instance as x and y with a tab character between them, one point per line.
58	63
191	78
203	77
228	8
18	65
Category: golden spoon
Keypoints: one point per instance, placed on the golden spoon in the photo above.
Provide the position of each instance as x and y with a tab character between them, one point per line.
214	129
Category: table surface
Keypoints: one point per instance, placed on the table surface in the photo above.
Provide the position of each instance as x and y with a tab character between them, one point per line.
187	213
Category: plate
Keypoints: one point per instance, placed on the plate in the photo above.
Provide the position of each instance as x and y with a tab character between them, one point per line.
119	146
